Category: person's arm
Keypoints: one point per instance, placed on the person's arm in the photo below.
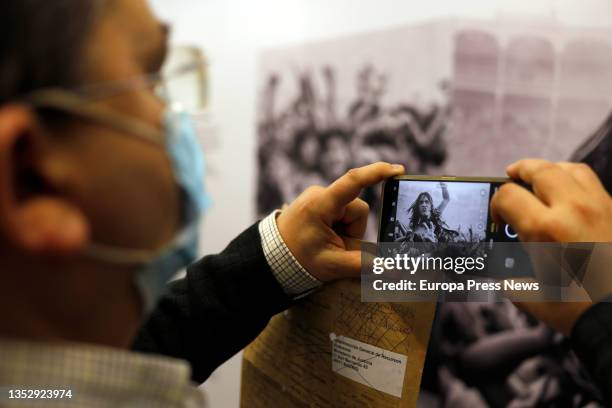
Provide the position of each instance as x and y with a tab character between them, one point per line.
445	198
222	304
591	339
590	329
568	204
226	300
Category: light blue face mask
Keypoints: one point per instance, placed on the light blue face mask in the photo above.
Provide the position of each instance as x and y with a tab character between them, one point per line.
180	141
188	165
187	160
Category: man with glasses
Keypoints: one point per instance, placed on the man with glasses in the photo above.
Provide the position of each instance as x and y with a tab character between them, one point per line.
100	197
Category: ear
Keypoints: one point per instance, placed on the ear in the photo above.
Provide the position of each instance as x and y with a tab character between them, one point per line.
34	216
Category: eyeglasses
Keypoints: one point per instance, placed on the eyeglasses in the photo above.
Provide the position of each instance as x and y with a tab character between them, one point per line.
182	80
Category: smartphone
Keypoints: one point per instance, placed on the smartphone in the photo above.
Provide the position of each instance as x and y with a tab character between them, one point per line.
441	209
448	209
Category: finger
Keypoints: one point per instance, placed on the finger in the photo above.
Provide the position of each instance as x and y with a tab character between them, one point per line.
514	170
346	264
515	205
348	187
352	244
549	181
355	218
584	175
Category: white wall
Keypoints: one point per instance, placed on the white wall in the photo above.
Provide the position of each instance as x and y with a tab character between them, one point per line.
233	32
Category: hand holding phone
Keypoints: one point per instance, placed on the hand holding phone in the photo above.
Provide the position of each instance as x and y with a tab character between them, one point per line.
568	203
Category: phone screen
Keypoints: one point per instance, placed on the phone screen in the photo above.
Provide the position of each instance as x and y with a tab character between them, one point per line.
443	210
450	210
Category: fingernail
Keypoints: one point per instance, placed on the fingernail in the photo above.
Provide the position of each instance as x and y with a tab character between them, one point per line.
398	167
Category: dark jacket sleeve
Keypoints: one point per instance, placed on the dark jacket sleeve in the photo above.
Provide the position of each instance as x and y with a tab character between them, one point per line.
592	341
222	304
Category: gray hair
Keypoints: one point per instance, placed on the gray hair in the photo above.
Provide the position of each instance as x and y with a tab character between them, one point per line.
41	43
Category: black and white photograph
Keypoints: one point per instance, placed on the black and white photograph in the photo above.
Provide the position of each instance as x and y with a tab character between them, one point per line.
325	108
441	212
493	355
478	97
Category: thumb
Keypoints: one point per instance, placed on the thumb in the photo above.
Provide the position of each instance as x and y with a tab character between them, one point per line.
352	244
348	263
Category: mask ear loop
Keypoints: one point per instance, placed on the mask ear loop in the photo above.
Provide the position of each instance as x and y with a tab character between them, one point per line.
134	257
119	256
79	106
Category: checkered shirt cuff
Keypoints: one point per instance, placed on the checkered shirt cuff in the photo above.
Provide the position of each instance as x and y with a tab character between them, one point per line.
294	279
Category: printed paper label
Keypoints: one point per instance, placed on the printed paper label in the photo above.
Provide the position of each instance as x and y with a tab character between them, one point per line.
369	365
